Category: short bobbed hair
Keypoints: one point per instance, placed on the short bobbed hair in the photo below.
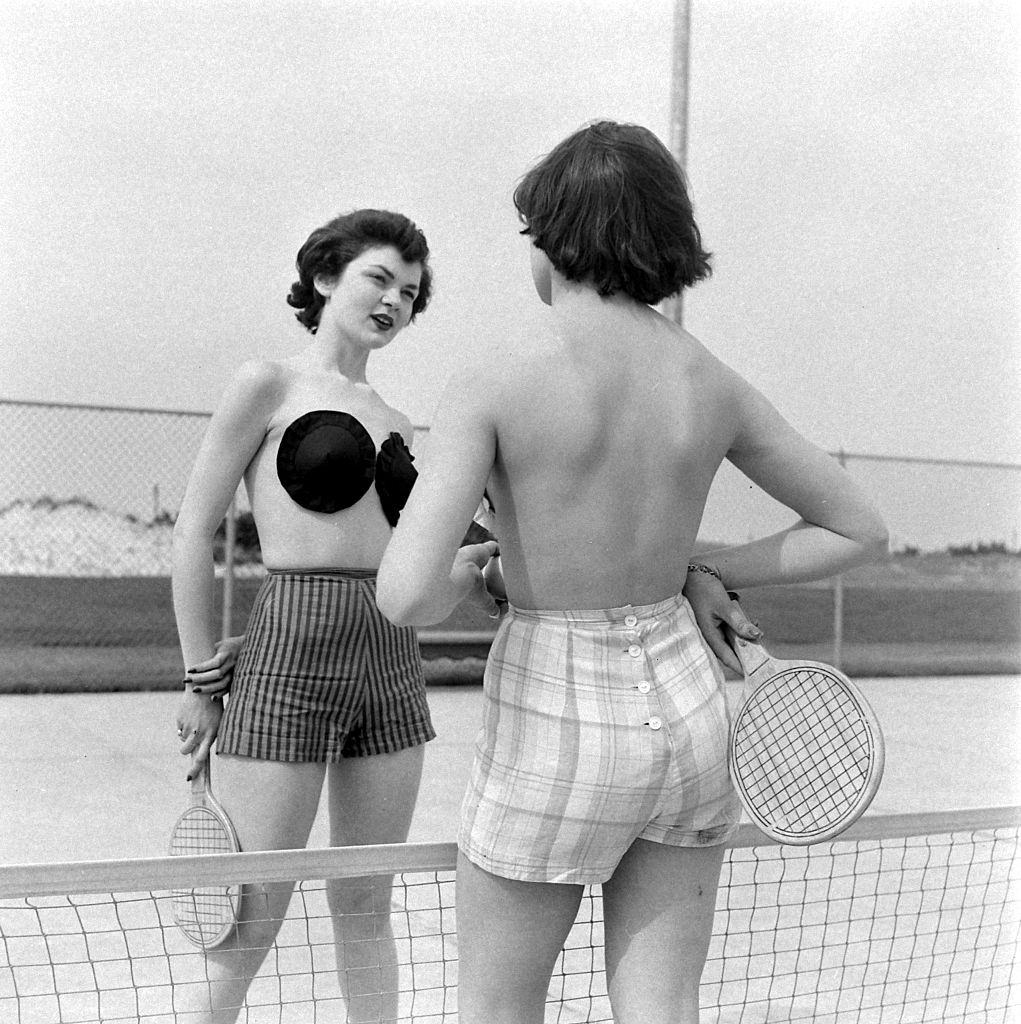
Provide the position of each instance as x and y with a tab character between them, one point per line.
329	249
609	206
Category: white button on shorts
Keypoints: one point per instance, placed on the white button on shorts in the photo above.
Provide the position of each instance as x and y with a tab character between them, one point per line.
635	651
644	687
631	620
655	722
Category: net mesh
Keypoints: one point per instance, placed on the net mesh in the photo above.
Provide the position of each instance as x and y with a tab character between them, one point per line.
904	919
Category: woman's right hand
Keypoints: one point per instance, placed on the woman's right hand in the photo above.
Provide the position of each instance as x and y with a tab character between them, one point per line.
198	722
493	575
472	560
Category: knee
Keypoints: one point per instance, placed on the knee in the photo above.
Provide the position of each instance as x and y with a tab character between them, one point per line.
262	912
359	896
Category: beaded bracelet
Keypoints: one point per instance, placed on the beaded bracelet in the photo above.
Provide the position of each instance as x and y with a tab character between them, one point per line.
708	569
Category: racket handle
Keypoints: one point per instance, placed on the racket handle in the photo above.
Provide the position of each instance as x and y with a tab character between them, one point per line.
200	781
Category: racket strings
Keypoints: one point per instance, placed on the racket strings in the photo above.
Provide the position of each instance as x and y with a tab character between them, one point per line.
207	913
199	830
805	721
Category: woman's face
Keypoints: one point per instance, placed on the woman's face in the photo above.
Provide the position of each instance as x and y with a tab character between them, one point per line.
371	301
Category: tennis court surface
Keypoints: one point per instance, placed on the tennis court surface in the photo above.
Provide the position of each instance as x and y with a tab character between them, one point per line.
913	916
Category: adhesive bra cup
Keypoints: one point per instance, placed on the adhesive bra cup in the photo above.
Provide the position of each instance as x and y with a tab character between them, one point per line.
327	461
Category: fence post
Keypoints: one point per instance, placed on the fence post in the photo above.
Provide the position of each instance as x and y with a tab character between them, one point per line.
229	544
838	598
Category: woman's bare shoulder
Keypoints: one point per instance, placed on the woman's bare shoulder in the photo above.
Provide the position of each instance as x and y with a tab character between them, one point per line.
488	377
705	367
264	374
258	386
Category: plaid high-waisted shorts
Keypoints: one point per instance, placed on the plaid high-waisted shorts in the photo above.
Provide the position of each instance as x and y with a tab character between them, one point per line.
599	728
323	675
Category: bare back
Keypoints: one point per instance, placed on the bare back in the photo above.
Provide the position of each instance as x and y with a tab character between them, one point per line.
608	438
598	445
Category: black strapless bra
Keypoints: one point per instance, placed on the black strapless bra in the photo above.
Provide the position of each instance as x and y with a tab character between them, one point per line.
327	461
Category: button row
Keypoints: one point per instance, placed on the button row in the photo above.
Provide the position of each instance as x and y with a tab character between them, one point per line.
635	650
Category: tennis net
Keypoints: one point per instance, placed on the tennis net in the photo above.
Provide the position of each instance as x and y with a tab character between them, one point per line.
903	918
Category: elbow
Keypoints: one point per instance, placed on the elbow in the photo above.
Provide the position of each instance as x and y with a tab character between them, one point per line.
400	613
879	544
395	605
873	538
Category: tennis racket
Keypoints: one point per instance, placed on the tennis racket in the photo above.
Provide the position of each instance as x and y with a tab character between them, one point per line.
206	915
806	750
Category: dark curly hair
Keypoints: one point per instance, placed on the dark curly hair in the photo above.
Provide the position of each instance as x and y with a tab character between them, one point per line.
609	205
329	249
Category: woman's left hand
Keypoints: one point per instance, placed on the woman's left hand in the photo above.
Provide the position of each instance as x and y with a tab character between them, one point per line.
713	609
214	677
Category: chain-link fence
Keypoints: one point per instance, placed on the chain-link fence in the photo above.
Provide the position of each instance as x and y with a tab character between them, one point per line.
88	497
92	491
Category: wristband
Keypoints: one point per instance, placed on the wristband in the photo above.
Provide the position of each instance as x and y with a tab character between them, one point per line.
708	569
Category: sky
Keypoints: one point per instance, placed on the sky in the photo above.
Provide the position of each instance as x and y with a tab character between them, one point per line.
854	167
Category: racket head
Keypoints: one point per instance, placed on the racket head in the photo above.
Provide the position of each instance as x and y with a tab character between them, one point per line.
208	914
806	750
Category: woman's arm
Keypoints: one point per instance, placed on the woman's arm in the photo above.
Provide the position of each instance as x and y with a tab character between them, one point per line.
839	526
424	574
234	435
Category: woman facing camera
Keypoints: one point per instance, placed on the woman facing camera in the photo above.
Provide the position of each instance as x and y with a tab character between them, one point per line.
324	689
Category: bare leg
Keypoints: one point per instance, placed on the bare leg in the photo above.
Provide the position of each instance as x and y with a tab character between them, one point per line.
658	909
272	805
509	935
371	801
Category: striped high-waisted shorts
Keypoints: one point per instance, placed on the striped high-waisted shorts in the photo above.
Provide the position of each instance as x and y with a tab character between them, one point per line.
599	728
323	675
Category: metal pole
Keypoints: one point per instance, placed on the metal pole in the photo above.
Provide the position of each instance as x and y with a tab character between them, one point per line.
838	599
679	92
674	308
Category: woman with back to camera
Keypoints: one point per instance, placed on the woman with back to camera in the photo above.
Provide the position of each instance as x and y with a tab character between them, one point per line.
603	753
324	687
